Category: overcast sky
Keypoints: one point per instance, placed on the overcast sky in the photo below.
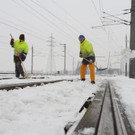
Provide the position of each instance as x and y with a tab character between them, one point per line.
66	20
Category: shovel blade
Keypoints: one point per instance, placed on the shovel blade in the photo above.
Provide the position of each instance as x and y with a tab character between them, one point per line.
100	69
27	76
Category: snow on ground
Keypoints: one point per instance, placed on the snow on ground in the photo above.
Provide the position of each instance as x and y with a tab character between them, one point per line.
86	131
43	110
125	87
15	80
47	109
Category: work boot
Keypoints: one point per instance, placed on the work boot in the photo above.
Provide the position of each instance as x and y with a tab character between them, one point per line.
92	82
82	79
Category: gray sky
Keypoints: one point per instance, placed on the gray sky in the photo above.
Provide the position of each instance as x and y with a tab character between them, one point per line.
66	20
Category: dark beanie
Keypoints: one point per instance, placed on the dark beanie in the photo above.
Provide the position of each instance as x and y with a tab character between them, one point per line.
22	37
81	37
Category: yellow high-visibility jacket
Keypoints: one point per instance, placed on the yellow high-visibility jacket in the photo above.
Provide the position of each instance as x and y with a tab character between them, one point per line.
86	49
20	47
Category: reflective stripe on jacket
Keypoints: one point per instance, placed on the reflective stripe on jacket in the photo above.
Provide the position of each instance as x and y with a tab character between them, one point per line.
86	49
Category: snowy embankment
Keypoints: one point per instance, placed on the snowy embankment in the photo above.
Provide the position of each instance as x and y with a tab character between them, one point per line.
125	87
43	110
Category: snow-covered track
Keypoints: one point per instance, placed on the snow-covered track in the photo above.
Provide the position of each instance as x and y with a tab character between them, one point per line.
33	77
105	115
23	85
6	78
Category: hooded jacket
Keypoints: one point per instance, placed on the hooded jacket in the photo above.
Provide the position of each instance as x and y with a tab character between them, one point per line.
20	48
86	50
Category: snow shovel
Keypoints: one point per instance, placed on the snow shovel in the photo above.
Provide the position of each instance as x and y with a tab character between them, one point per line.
26	74
97	69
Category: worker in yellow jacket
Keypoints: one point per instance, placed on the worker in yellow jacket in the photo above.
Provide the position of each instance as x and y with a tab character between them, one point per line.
20	53
87	52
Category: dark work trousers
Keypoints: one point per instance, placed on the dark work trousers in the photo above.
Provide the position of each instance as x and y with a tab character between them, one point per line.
18	69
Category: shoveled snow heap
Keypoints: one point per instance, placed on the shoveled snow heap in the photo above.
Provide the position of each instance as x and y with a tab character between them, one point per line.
125	87
127	54
43	110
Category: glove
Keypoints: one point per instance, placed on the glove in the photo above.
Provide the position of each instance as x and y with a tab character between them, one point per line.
12	42
91	61
80	55
12	39
19	56
23	56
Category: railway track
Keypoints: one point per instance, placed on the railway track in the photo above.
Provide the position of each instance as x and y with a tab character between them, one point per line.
23	85
33	77
6	78
106	115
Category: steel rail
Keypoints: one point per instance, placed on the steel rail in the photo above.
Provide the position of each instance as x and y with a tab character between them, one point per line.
106	124
6	78
110	117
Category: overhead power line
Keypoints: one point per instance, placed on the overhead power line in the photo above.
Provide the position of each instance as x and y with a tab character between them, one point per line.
97	11
116	17
58	18
17	19
56	26
82	26
17	24
104	24
42	17
9	25
46	19
12	26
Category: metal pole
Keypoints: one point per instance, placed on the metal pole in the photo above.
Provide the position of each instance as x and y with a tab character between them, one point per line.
132	30
51	58
132	40
108	64
32	61
126	62
73	65
51	53
64	58
108	60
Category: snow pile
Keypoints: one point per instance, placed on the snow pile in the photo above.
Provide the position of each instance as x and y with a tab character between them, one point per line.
43	110
87	131
127	54
125	87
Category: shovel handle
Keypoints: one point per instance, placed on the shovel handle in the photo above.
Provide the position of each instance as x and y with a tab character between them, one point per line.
98	69
92	63
11	35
